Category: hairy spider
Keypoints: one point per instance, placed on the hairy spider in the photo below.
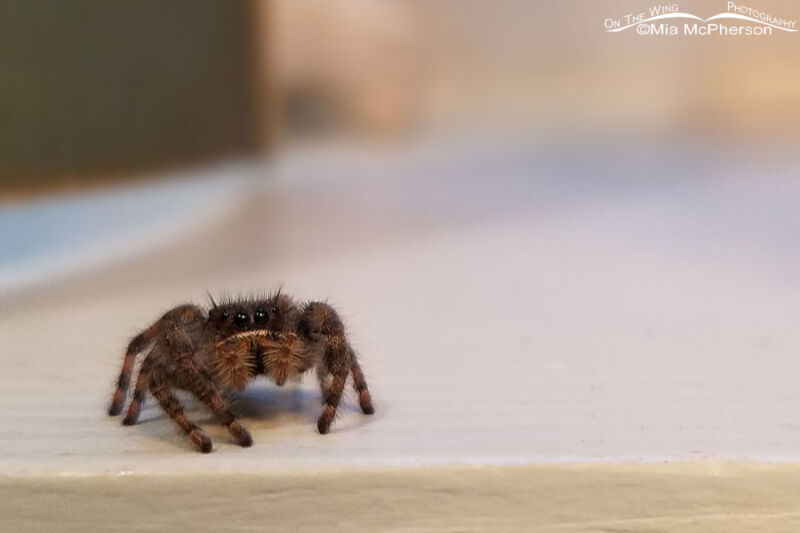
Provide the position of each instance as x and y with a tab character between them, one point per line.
207	352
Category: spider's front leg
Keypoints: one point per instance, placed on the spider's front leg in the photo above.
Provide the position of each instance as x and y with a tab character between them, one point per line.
331	382
201	385
360	385
161	390
320	320
180	369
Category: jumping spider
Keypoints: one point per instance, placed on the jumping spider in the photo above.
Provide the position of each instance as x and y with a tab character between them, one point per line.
208	352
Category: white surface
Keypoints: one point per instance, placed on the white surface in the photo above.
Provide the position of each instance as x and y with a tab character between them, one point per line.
632	325
541	316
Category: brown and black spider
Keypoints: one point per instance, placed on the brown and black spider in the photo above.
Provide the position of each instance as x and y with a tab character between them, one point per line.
224	348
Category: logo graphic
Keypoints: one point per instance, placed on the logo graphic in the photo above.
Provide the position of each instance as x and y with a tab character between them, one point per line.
737	20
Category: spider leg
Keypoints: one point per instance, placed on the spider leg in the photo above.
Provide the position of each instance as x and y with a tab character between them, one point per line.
360	385
331	396
139	343
136	345
190	377
321	324
166	399
139	390
336	363
200	385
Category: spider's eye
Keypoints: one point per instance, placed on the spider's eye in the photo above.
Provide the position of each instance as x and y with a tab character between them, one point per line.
260	316
274	310
241	319
225	315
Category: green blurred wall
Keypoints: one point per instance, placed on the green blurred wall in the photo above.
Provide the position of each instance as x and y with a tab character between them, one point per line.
100	88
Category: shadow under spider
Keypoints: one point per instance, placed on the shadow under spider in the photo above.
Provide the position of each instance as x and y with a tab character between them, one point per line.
262	402
259	402
265	401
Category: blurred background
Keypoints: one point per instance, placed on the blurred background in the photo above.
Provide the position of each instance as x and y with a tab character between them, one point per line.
95	95
599	199
94	91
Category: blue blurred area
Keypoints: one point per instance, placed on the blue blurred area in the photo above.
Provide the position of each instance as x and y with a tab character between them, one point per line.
57	236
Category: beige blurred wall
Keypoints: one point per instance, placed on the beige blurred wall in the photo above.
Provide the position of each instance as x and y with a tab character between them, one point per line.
552	64
354	66
395	66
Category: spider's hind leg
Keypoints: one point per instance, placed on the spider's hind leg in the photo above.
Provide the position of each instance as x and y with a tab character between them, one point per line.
139	391
141	341
137	344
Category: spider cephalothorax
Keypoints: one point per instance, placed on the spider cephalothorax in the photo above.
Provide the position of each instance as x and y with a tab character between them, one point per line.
207	353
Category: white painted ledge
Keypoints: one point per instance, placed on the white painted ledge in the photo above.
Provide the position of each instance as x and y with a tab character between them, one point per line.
534	360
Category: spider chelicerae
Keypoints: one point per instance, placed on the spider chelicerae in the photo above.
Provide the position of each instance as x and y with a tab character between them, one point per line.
210	351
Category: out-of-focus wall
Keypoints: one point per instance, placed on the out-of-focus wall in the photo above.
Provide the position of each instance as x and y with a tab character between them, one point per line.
92	87
97	88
